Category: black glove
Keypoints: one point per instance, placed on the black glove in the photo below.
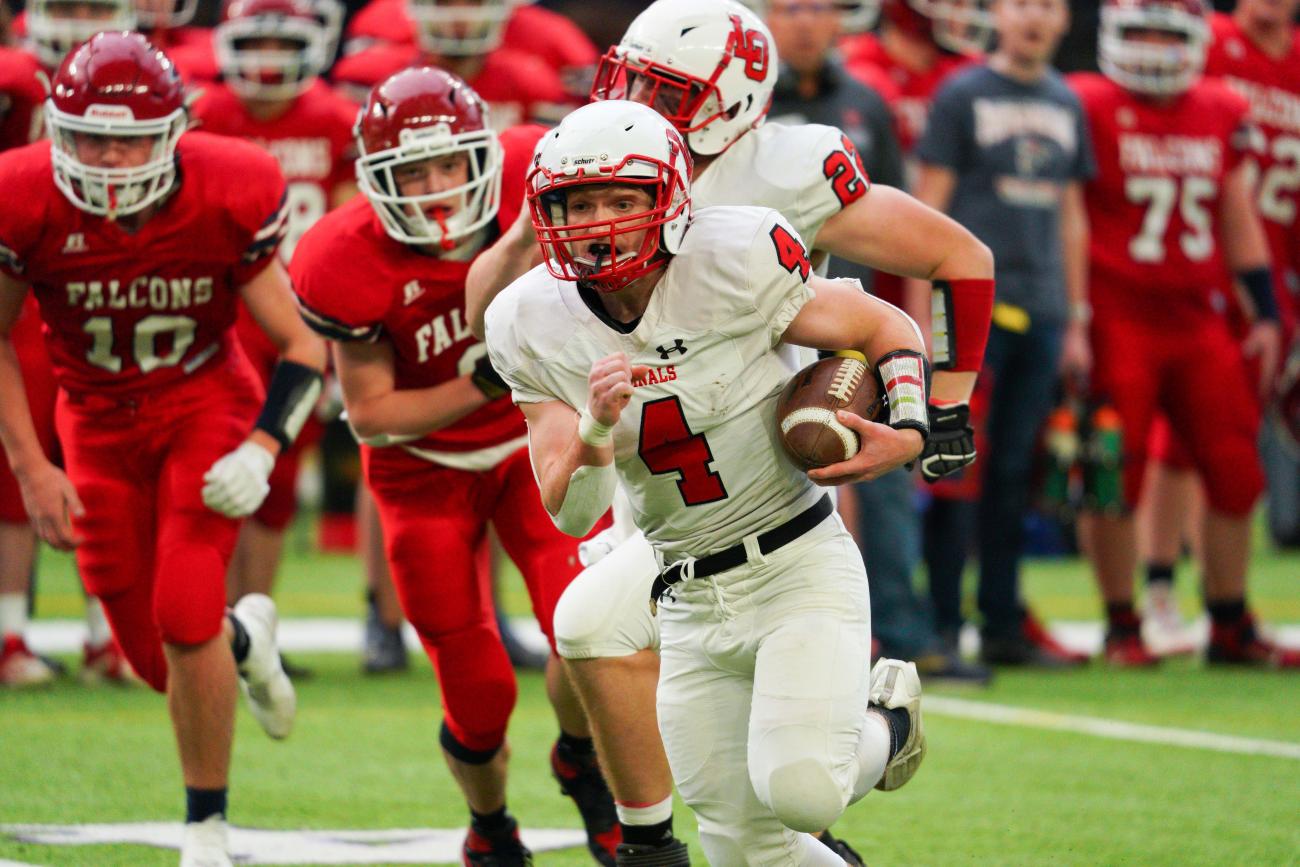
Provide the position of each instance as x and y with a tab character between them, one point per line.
487	380
951	444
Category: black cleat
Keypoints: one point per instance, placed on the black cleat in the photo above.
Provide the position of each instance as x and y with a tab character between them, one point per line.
841	848
504	851
670	853
579	778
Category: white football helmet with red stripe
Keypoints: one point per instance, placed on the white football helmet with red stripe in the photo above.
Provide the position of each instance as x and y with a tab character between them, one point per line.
708	66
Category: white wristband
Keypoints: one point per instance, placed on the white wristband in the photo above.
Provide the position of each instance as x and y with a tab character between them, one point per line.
592	432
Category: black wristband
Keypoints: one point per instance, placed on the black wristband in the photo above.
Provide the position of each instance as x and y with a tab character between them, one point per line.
1258	283
290	398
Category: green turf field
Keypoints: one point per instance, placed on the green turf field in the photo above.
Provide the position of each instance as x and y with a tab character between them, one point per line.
364	755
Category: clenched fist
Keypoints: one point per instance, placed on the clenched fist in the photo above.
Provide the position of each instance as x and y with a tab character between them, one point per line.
610	388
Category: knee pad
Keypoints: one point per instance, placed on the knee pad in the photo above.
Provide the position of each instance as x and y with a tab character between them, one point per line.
605	611
804	795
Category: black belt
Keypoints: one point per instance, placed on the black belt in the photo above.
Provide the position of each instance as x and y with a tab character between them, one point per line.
730	558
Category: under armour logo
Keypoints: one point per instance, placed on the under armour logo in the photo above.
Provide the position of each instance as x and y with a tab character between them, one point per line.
76	243
411	291
665	352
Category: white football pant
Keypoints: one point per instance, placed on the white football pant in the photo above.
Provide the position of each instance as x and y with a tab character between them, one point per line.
763	690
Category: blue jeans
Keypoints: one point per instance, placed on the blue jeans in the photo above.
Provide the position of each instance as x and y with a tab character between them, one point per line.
889	527
1024	372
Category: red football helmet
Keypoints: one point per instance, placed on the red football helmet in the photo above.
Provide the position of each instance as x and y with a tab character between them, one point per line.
109	92
610	142
424	115
1153	47
1288	394
959	26
272	73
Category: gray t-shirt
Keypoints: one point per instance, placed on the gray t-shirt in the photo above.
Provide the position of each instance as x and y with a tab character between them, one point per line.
1014	148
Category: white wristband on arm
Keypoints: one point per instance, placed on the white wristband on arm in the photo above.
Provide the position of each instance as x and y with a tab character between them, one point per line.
592	432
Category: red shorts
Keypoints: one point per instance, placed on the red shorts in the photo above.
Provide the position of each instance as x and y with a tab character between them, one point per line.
153	552
1197	378
41	388
434	520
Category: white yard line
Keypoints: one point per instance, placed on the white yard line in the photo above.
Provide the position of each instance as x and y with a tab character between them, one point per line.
1107	728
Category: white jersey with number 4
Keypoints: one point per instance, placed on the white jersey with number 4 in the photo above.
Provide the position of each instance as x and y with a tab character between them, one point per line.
696	449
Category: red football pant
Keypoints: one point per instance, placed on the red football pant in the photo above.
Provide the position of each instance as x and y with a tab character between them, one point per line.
153	553
434	521
1197	378
41	388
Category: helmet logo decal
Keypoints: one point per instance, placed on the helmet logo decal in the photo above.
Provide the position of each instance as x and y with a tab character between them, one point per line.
751	47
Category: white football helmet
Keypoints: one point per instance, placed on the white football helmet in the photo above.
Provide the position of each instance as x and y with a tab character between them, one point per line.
1153	68
55	27
611	142
162	14
708	66
459	29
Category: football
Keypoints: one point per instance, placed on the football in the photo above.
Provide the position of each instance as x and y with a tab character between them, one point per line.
805	412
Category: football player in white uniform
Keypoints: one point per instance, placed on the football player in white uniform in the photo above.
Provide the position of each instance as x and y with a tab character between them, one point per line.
710	66
645	351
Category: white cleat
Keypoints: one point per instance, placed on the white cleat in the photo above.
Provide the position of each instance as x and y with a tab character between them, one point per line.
268	689
895	684
203	844
1164	632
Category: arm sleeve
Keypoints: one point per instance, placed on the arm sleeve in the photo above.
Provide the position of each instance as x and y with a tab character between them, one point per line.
947	133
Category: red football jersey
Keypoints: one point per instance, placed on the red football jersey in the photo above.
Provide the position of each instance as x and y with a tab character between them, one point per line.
1272	87
530	29
909	92
132	311
21	96
517	87
356	283
312	142
1154	204
196	59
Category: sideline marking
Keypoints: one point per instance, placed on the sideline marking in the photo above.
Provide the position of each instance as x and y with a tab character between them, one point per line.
260	846
1108	728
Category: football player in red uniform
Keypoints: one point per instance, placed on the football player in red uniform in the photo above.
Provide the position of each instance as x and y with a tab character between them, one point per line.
53	28
464	39
528	28
1171	211
444	450
271	54
919	44
1257	52
138	240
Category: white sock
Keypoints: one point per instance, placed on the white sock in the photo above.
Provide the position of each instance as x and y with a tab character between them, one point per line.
873	755
97	632
13	614
645	814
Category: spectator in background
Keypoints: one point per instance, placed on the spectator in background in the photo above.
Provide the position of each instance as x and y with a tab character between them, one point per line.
814	87
1006	151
